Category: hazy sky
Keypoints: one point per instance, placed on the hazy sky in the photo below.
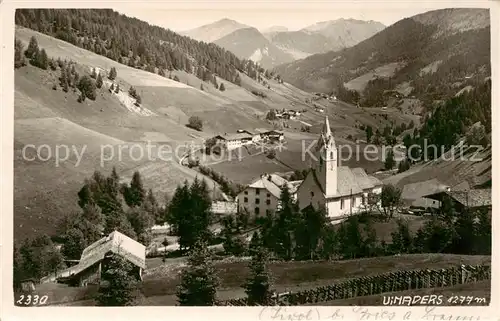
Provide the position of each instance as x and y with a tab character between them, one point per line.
180	16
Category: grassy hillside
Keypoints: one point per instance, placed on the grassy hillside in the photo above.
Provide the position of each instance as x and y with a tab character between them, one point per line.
433	52
133	42
54	117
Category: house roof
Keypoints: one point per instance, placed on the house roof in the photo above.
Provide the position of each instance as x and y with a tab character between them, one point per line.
473	197
237	136
421	189
375	181
264	183
117	243
347	182
362	178
273	183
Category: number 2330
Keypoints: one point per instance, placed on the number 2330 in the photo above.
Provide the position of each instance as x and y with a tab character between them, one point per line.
32	300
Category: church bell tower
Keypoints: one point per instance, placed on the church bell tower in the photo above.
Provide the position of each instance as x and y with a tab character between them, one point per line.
327	162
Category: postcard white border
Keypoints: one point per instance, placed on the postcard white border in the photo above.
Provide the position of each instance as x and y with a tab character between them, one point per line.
9	312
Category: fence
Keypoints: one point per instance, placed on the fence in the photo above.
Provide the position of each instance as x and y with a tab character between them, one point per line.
381	283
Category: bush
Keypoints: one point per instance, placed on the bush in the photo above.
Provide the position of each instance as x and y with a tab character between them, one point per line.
87	87
259	93
196	123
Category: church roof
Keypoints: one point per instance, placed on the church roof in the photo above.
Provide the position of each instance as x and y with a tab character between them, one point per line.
362	178
347	182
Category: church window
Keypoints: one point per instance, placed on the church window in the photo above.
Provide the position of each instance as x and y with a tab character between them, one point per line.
342	204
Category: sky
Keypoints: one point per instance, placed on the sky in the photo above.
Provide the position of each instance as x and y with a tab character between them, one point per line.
293	14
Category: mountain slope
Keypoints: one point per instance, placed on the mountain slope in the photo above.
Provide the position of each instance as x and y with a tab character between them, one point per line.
133	42
249	43
345	32
302	44
429	54
214	31
44	192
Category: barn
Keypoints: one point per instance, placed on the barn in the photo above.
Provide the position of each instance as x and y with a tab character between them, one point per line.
95	256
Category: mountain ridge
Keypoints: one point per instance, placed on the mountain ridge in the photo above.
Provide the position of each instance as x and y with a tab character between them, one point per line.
286	45
444	50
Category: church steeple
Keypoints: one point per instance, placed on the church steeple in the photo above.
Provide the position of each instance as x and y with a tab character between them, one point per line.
328	160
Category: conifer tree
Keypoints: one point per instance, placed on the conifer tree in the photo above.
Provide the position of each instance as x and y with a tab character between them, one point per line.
221	87
94	73
118	286
117	89
19	60
199	280
112	73
32	48
136	193
259	282
255	242
99	81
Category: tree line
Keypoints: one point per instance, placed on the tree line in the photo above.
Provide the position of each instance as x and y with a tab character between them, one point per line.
69	77
136	43
105	205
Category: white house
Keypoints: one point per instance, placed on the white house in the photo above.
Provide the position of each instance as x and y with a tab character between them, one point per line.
264	194
231	142
339	189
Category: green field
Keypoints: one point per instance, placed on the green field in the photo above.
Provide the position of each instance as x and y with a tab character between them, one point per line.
159	288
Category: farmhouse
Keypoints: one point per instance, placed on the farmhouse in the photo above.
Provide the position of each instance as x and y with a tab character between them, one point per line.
339	189
264	194
95	256
273	136
234	141
466	199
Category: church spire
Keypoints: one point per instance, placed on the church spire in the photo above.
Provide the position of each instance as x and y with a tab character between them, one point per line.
326	134
326	128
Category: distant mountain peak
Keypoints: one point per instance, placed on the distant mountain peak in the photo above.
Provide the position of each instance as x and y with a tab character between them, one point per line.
215	30
275	29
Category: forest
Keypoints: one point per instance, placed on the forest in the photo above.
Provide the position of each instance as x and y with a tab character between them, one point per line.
136	43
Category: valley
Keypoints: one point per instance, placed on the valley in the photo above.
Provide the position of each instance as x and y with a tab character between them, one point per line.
195	149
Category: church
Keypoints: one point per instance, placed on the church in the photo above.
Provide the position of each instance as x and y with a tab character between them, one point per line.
340	190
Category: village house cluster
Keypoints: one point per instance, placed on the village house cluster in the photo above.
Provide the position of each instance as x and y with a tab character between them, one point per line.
244	137
339	189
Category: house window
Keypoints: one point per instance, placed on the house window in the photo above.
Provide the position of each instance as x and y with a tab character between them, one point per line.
363	200
257	191
246	192
268	194
312	194
342	204
257	201
245	199
268	202
257	211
